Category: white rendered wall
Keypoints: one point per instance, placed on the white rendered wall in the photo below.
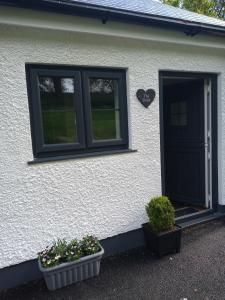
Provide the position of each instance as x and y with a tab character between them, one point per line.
106	195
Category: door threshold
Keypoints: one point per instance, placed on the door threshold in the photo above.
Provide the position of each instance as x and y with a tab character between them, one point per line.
213	216
186	210
195	215
183	210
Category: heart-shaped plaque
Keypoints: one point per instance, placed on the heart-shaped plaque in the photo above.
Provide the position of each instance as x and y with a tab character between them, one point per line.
146	97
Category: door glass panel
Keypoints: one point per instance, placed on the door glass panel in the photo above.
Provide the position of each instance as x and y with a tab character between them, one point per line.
178	113
105	110
57	108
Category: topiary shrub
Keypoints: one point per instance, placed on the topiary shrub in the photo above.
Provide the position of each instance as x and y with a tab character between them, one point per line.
161	214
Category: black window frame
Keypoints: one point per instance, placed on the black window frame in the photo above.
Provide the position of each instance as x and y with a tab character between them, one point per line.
91	143
86	142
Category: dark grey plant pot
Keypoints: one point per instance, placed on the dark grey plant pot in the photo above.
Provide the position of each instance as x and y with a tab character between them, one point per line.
71	272
163	243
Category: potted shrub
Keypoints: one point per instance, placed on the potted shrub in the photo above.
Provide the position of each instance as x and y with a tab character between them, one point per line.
162	235
65	263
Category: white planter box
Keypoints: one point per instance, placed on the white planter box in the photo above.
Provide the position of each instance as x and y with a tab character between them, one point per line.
71	272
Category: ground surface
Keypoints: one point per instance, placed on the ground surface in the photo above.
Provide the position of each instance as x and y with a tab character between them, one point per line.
197	273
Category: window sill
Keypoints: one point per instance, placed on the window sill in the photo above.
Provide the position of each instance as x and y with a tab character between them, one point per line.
78	156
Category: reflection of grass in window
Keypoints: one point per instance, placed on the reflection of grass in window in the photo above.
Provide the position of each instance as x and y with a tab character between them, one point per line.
103	122
59	126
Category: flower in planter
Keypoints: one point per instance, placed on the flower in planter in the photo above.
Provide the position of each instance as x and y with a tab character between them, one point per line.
89	245
61	251
61	265
54	255
73	251
60	247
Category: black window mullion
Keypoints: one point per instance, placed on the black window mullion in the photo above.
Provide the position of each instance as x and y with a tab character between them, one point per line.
123	109
78	104
36	119
87	108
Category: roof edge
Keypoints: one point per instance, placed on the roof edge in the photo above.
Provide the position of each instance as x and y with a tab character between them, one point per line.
106	14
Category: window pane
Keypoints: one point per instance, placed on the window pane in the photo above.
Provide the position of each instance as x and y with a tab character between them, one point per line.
183	107
58	112
105	109
178	113
174	107
183	119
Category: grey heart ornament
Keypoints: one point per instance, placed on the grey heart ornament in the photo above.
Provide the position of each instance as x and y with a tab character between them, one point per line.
145	97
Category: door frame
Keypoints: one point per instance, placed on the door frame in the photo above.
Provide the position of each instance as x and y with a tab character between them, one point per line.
214	127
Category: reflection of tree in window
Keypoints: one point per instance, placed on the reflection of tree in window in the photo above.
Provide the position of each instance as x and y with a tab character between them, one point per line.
46	85
58	112
101	85
67	85
105	108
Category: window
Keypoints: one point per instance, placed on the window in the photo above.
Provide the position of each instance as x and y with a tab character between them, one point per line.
178	113
77	110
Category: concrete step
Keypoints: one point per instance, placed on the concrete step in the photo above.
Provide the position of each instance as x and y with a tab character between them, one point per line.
200	220
195	215
183	211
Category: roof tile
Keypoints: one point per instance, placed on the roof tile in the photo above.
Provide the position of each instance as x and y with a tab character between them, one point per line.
152	7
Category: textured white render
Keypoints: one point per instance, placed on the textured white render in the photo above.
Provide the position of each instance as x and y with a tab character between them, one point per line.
106	195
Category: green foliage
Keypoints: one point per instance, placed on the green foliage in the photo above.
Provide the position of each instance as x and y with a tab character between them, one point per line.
212	8
90	245
61	251
54	255
220	8
176	3
161	214
73	251
60	247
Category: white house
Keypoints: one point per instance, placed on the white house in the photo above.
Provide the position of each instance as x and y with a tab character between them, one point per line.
81	150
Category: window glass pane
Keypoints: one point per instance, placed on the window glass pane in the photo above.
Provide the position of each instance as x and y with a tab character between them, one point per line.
174	120
183	107
105	109
174	107
183	119
178	113
58	112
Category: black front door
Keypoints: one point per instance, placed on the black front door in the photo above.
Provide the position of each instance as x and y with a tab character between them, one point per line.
184	152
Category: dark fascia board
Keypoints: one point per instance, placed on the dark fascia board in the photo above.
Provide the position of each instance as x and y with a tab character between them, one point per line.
105	14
